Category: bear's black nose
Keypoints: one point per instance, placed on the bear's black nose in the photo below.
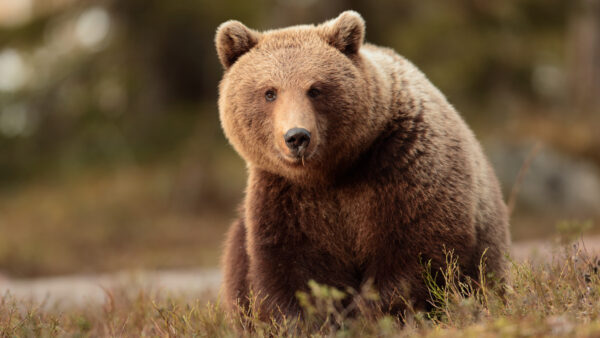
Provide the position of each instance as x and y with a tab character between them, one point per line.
297	139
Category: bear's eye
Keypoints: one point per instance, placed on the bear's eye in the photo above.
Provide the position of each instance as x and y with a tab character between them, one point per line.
314	92
270	95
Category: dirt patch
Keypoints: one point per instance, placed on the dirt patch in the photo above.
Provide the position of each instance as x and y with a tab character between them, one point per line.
544	250
85	289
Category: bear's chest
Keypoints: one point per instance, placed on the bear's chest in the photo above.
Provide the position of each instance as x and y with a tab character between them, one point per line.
341	221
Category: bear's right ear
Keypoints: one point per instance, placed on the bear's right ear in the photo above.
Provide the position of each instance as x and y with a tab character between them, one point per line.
233	40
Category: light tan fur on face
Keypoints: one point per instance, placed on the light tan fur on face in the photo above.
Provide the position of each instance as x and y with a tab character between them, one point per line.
291	61
294	110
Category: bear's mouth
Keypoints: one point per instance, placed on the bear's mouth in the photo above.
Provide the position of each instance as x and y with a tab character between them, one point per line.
297	160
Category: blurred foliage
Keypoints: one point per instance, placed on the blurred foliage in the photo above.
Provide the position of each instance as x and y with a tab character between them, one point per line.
146	88
100	87
126	218
571	231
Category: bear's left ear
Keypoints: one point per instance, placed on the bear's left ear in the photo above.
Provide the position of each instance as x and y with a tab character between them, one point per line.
346	32
233	40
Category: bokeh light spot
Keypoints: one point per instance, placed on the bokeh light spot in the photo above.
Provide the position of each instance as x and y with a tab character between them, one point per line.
92	27
13	70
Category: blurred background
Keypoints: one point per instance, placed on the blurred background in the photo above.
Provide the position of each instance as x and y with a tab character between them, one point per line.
112	156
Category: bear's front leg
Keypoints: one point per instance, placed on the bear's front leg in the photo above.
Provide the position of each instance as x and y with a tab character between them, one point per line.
235	265
275	276
278	271
398	279
399	293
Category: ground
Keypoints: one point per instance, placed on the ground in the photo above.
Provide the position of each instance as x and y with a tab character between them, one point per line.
554	290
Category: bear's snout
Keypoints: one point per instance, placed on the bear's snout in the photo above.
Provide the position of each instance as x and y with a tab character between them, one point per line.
297	140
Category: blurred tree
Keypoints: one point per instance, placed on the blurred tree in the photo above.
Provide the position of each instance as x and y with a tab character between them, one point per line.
583	50
140	92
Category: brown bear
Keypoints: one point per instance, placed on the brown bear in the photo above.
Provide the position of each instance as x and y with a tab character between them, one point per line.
359	170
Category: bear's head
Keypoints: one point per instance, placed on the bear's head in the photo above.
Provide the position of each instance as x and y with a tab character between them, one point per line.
297	101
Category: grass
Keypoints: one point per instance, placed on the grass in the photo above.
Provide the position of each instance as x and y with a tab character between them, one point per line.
558	297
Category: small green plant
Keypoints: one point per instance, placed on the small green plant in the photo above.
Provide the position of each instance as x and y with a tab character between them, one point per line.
329	309
457	300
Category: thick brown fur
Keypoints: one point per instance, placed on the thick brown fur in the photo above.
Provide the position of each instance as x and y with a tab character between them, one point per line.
391	179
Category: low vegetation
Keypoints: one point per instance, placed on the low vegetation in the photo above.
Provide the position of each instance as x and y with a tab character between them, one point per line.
560	296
